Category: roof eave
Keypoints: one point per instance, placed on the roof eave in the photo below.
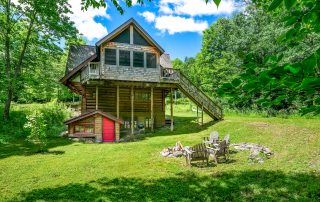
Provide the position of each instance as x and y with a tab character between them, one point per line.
125	24
76	69
88	114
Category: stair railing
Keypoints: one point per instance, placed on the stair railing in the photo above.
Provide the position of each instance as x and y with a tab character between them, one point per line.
173	75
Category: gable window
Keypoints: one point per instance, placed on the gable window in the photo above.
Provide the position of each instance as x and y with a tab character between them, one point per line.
110	56
124	58
138	59
123	37
138	39
151	60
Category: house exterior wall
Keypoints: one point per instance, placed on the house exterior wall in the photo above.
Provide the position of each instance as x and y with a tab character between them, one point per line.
117	132
130	73
98	128
107	102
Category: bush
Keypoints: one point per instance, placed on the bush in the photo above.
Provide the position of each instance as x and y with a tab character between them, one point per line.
37	125
46	121
55	114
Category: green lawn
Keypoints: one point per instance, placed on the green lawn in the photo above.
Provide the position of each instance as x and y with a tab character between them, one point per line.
136	171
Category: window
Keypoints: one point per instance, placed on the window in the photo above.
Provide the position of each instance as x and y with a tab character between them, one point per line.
138	59
84	128
124	58
123	37
79	128
138	39
110	56
151	60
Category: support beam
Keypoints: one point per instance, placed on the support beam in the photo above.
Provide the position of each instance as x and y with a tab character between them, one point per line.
171	109
84	101
131	34
118	110
197	114
97	97
202	115
132	111
175	97
151	109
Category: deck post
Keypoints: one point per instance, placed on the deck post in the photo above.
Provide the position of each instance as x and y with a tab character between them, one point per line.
132	111
171	109
197	114
202	114
118	114
97	97
152	118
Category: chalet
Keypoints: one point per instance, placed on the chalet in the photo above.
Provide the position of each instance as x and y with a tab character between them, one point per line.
123	81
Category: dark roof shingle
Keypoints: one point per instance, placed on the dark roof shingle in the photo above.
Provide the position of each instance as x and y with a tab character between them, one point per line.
77	55
165	61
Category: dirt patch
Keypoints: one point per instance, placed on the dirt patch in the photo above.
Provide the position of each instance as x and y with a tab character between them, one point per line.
259	124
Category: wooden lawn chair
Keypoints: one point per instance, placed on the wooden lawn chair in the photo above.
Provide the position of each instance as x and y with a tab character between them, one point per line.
213	139
218	151
227	139
196	153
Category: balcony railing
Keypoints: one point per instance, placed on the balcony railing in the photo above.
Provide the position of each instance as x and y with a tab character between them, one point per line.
169	74
91	71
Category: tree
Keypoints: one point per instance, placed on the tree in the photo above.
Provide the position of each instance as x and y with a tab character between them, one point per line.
28	26
289	77
102	3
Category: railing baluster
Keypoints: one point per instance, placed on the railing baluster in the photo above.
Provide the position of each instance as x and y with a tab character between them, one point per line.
170	74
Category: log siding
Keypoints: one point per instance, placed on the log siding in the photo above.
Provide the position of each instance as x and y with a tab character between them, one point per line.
142	108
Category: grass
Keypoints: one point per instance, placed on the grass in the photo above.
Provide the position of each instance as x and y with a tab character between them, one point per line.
135	171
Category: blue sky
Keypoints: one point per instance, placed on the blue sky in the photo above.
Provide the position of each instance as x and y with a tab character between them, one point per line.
176	25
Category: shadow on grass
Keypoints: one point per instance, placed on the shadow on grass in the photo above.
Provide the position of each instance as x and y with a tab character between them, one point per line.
182	125
239	186
185	125
23	147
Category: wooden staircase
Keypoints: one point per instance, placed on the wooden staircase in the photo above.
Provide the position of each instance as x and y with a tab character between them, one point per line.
192	92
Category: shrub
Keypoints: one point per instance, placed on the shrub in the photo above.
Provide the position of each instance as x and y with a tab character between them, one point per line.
37	125
54	114
46	121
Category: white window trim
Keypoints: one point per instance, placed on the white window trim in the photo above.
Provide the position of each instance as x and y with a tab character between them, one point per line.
117	54
118	58
131	58
144	59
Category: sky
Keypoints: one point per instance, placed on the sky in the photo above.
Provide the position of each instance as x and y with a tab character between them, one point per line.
177	25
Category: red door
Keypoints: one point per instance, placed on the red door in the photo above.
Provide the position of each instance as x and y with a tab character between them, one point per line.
108	130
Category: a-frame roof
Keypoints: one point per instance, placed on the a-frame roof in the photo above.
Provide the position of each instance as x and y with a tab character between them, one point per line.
88	114
123	27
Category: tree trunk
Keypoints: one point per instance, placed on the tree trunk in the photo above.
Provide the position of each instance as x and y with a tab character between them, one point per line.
17	67
24	47
7	61
8	102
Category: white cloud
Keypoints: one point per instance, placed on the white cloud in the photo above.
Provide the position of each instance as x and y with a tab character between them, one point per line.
134	2
148	16
177	24
84	21
196	7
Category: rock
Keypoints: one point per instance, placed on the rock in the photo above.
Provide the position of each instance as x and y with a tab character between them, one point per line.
64	134
177	153
75	139
165	153
257	152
